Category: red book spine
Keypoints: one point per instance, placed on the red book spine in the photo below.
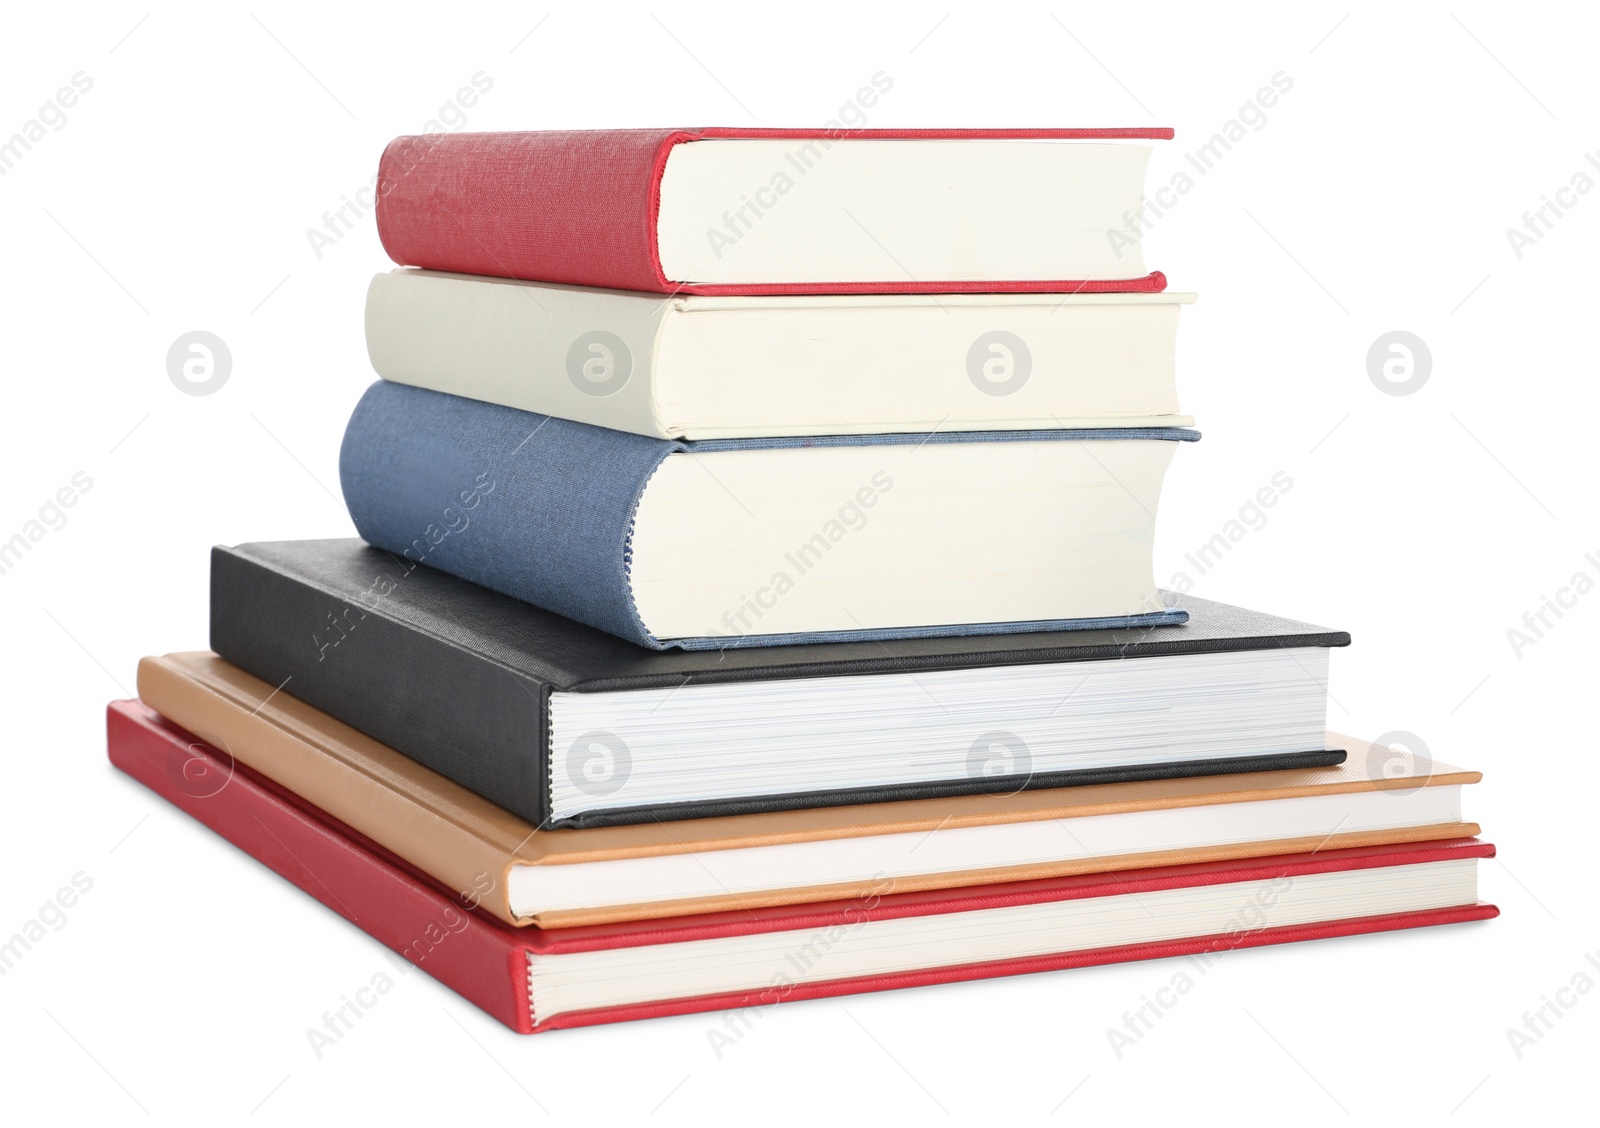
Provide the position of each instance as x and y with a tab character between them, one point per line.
579	207
576	207
477	957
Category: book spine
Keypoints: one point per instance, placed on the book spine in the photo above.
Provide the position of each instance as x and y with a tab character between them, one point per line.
531	506
423	926
447	707
575	207
587	355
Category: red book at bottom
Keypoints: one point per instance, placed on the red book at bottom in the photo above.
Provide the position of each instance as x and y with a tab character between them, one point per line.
545	979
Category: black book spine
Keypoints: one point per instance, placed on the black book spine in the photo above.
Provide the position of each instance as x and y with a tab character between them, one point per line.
450	709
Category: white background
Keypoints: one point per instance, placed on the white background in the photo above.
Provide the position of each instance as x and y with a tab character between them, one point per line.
1376	197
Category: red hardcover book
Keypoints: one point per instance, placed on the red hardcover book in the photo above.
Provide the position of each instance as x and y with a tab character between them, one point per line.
535	980
633	209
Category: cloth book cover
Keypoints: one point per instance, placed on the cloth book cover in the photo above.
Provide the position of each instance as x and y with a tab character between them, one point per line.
465	681
551	511
732	862
515	974
584	207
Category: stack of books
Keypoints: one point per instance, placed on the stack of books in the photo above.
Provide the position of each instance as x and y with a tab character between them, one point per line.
754	598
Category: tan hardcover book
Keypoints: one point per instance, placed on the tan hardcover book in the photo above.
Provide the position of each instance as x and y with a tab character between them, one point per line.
555	878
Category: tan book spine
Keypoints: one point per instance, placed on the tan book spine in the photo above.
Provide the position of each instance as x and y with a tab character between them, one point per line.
440	833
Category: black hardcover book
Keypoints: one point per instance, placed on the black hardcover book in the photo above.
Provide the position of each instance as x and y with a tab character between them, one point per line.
566	725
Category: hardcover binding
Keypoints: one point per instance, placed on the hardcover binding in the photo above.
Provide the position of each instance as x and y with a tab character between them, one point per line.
550	505
486	962
464	203
458	677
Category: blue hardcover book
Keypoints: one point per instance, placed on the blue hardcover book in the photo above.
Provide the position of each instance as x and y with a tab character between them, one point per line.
756	542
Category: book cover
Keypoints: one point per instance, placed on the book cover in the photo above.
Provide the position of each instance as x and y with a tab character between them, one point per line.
551	511
460	678
493	965
580	207
696	367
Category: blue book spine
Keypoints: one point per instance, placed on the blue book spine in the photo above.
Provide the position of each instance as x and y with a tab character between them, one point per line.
541	509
